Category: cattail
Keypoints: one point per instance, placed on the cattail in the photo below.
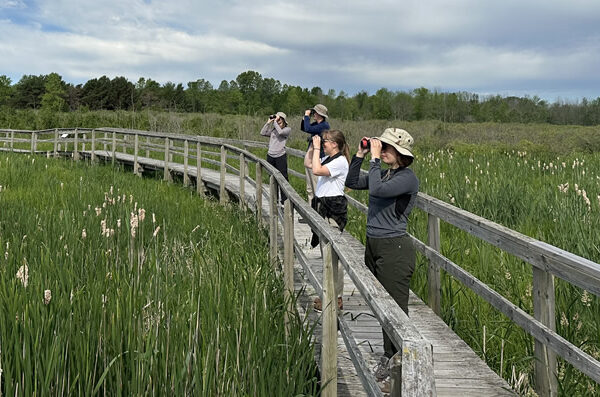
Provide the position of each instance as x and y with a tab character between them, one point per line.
23	275
83	234
142	214
47	296
118	223
156	231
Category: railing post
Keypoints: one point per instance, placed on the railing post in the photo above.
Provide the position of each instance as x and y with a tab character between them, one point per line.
273	220
114	147
33	136
105	140
147	146
242	181
186	178
543	311
411	370
433	272
199	183
135	155
172	146
12	141
76	146
167	174
288	260
259	192
222	192
93	145
329	330
56	142
125	139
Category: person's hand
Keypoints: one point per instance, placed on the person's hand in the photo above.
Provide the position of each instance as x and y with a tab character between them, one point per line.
375	148
277	119
362	151
307	112
316	141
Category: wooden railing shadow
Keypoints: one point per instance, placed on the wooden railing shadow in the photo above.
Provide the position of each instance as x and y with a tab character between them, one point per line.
414	368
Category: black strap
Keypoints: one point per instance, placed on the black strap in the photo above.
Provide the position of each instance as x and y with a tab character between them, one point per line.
330	159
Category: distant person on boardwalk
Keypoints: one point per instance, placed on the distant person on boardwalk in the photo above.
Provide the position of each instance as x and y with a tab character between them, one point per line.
389	252
320	124
277	129
329	200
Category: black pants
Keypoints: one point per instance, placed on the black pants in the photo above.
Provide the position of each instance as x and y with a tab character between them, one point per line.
281	164
392	261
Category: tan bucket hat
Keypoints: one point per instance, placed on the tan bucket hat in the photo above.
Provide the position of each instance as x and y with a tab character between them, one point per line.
281	116
320	109
400	139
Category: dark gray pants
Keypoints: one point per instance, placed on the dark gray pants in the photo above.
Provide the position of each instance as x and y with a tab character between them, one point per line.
281	164
392	261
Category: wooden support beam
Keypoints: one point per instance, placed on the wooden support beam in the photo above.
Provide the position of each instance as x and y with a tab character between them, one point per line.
433	273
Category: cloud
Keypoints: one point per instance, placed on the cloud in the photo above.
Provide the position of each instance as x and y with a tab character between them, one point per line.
351	45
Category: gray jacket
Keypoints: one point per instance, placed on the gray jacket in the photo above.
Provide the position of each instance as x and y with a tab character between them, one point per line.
278	137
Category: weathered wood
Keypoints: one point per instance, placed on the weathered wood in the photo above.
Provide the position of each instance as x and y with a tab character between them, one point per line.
288	260
76	145
186	178
433	273
572	268
12	141
114	147
259	190
329	319
167	173
135	155
147	146
242	197
32	145
543	310
222	192
93	146
199	183
571	353
273	220
56	142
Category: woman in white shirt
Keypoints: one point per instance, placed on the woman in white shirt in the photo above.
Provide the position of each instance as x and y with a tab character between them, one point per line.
329	200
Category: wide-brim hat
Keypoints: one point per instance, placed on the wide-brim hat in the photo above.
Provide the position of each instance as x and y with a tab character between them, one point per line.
400	139
281	116
321	110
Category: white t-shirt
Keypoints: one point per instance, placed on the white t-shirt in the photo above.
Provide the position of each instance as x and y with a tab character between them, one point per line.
333	185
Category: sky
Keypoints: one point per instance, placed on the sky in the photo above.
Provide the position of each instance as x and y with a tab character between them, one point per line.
544	48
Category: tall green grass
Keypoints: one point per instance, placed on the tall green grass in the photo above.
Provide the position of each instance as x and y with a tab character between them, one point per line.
136	286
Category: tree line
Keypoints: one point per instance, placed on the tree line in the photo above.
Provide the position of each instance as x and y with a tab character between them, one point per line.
252	94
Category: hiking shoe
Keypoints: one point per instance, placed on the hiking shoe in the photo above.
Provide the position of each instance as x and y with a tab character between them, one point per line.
318	304
382	370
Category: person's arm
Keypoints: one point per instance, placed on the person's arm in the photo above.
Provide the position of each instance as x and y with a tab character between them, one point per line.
285	131
314	129
402	183
266	130
317	168
355	180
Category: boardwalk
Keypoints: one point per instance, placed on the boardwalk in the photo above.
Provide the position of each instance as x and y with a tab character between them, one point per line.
458	370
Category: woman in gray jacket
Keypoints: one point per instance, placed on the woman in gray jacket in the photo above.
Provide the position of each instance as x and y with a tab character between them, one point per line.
277	129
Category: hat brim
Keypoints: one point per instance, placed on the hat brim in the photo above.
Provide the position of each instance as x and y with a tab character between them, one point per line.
398	148
319	113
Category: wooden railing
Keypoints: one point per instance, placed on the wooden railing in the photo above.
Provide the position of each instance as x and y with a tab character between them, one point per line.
412	368
547	261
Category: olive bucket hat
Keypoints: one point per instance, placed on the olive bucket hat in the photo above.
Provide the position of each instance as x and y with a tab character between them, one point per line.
321	109
400	139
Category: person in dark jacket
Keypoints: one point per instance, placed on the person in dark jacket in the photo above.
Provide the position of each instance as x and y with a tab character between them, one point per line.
320	124
389	252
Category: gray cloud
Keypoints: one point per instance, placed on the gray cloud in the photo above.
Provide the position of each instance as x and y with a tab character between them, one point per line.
546	48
